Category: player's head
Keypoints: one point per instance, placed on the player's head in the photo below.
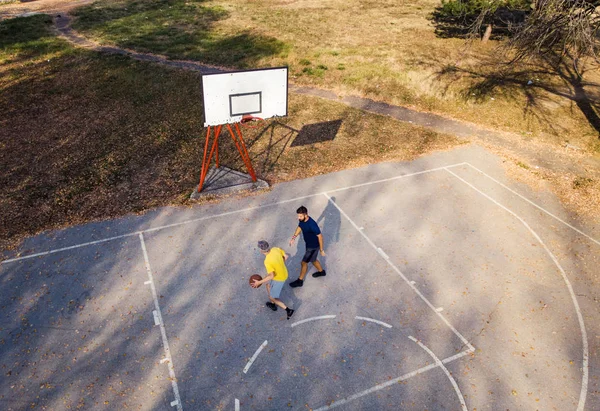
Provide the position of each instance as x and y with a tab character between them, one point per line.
302	213
263	246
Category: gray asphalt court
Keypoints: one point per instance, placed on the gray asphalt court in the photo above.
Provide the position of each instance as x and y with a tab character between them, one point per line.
449	287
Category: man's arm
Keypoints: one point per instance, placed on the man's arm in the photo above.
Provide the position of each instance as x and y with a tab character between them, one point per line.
268	278
321	247
296	234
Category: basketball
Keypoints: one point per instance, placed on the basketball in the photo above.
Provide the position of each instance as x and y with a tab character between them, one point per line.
254	277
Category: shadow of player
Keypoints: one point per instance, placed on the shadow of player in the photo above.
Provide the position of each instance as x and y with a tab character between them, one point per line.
332	221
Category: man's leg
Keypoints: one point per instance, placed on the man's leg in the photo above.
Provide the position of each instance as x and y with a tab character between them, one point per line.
278	302
274	297
320	272
300	281
317	265
271	304
309	256
303	269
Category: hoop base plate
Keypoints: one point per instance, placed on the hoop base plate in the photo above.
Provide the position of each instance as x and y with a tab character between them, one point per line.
223	181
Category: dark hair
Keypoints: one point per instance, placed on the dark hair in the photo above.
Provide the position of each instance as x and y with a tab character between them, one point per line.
302	210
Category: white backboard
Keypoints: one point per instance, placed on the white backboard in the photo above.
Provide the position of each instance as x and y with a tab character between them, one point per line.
228	96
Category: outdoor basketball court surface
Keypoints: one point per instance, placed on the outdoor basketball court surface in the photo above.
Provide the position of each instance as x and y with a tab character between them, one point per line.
449	287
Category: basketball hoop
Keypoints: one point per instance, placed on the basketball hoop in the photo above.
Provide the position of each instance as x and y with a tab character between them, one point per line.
250	121
230	98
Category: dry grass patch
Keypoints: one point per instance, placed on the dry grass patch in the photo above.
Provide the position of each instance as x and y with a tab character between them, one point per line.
386	50
580	194
85	136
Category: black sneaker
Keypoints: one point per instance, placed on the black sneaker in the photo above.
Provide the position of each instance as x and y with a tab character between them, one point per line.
289	312
297	283
272	306
319	274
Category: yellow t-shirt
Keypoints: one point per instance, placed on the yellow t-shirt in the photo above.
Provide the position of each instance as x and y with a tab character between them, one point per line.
274	263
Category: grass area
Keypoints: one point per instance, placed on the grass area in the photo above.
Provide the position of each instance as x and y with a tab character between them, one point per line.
86	136
177	29
7	2
385	49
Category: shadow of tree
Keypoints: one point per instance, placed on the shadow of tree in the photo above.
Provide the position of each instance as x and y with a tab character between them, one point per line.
177	29
451	21
539	81
28	37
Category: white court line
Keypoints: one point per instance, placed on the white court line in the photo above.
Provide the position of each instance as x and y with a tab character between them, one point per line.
156	318
374	321
383	254
195	220
532	203
163	332
441	365
237	405
457	356
247	367
391	382
391	264
385	180
584	380
10	260
322	317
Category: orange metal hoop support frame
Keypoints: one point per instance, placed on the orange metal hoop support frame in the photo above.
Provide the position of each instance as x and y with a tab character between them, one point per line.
239	144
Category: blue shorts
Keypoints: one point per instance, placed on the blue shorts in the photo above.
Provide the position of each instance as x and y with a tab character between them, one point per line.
276	287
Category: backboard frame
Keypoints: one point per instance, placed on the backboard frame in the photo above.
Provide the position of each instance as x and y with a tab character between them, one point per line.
220	90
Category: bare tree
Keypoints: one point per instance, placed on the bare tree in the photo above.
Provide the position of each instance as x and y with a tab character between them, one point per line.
567	28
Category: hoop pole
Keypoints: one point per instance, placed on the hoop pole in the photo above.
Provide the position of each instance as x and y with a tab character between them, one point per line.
243	151
214	149
217	153
206	161
249	165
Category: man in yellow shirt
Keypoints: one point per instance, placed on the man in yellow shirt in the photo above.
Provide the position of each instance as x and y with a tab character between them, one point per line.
276	275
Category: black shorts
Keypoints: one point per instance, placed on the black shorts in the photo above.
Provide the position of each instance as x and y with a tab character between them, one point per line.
310	256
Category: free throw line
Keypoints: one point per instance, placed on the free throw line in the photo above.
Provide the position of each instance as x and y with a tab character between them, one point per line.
163	332
391	264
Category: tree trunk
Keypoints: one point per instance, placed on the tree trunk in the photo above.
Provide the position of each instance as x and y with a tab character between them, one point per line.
487	34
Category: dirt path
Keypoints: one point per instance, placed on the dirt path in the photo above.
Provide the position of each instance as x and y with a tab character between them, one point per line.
536	154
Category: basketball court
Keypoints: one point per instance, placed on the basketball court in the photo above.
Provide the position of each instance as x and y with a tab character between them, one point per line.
445	290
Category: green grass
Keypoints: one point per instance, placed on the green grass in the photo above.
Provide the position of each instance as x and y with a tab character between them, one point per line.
27	37
178	29
7	2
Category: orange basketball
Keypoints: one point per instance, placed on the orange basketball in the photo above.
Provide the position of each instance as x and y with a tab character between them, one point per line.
254	277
